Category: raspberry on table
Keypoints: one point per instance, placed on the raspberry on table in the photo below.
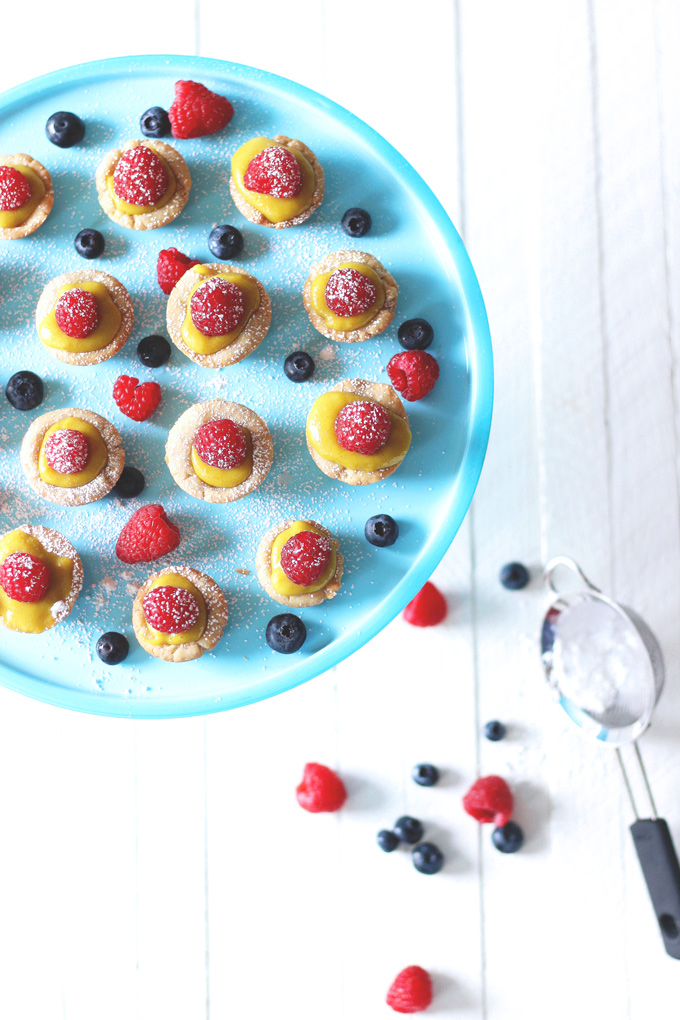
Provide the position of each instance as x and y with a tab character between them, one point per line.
349	292
363	427
427	608
24	577
15	190
136	401
217	307
413	373
274	171
221	444
411	991
140	177
147	536
171	267
171	610
77	313
67	451
196	111
305	557
321	789
489	800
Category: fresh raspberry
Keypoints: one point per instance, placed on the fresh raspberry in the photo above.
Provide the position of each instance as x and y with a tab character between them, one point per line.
221	444
137	402
427	608
489	800
413	373
77	313
274	171
24	578
196	111
140	176
67	451
171	267
15	190
321	789
147	536
363	427
411	991
349	292
171	610
217	307
305	556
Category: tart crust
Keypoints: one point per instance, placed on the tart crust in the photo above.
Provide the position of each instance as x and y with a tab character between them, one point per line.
255	216
44	206
383	394
217	613
180	442
245	343
378	323
93	490
120	298
54	542
159	217
264	574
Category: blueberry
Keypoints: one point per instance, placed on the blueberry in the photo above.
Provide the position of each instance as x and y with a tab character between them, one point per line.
225	242
425	774
153	351
112	648
387	840
298	366
154	122
415	334
356	222
427	858
89	243
409	829
130	483
381	530
494	730
286	633
508	839
65	129
514	576
24	391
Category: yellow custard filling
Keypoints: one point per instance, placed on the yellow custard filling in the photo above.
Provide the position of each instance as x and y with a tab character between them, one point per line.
138	210
35	617
224	478
321	435
199	342
280	581
15	217
276	210
345	323
101	336
98	455
157	637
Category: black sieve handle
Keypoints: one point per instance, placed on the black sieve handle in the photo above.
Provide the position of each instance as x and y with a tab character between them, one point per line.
659	862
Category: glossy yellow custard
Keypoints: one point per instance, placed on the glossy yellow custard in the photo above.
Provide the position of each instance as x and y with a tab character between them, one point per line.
321	435
192	336
157	637
15	217
280	581
97	459
345	323
101	336
137	210
276	210
225	478
35	617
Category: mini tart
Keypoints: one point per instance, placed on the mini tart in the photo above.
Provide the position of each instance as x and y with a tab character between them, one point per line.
381	318
78	494
381	393
37	175
178	451
157	217
239	192
108	287
263	563
216	617
65	583
249	337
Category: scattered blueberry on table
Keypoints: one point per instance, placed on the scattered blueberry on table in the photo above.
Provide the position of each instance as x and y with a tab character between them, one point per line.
494	730
285	633
112	648
409	829
89	243
225	241
427	858
65	129
154	122
508	838
24	391
356	222
415	334
387	840
425	774
130	484
381	530
514	576
153	351
299	366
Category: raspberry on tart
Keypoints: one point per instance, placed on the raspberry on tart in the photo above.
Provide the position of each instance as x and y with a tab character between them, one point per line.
350	296
171	610
40	578
67	451
84	317
179	614
141	178
15	190
77	313
217	307
299	563
24	577
276	182
26	195
363	427
221	444
144	185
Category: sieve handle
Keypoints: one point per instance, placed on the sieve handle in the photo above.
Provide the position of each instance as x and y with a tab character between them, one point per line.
659	862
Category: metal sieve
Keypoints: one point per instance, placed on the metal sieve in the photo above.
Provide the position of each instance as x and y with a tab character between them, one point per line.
605	669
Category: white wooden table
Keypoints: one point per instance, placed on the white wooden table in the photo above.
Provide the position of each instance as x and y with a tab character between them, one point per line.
163	869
